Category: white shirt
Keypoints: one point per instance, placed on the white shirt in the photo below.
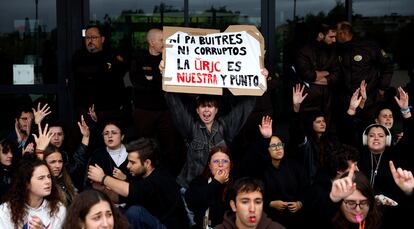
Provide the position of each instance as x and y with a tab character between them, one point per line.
42	212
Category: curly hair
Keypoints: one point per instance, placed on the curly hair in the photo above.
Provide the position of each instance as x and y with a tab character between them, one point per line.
83	203
18	196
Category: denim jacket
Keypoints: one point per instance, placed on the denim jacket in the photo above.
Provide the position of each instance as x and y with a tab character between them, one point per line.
198	139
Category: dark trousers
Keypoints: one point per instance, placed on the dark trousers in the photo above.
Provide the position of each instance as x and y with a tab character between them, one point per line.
139	218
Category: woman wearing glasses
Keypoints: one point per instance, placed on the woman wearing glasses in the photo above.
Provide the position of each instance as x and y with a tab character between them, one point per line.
206	193
113	157
283	180
357	205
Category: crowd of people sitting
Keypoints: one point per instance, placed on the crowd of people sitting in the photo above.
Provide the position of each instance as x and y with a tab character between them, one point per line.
347	169
312	176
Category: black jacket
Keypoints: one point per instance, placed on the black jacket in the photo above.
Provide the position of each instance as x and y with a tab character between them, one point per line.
365	60
317	56
98	79
202	195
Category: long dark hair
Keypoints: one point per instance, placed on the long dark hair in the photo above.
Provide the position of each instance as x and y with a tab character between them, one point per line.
81	206
67	181
373	218
5	146
18	195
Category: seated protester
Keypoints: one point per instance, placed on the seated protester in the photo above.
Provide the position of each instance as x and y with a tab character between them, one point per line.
93	209
207	130
54	160
246	202
375	156
74	162
33	200
283	181
355	201
207	192
317	202
6	159
308	136
26	121
112	158
354	124
150	187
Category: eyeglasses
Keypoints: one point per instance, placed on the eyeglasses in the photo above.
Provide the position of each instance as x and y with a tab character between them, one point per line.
223	161
275	146
352	204
92	38
106	133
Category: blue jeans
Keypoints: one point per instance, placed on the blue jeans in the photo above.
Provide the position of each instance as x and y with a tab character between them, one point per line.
139	218
190	214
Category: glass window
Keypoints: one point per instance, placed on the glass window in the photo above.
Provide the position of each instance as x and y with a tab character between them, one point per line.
295	20
220	14
28	37
390	24
13	103
127	21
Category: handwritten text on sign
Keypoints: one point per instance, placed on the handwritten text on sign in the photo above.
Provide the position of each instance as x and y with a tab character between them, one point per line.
216	60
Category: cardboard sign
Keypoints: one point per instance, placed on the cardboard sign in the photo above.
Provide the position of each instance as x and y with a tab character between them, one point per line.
203	61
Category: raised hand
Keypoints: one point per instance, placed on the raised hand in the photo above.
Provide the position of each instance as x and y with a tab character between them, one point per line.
18	132
341	188
84	129
29	148
43	140
403	178
266	127
40	113
92	113
363	91
363	87
298	97
402	99
354	102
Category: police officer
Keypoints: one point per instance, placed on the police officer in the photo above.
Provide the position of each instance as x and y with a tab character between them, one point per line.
363	60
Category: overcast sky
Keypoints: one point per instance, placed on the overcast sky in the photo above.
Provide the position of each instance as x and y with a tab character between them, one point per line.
12	10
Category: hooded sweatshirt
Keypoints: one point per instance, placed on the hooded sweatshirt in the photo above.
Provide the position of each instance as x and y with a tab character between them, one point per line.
229	222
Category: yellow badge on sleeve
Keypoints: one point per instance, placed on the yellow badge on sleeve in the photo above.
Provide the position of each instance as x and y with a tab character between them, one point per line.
357	58
384	54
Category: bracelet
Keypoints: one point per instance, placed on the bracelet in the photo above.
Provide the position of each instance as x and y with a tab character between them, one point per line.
103	179
39	151
405	110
